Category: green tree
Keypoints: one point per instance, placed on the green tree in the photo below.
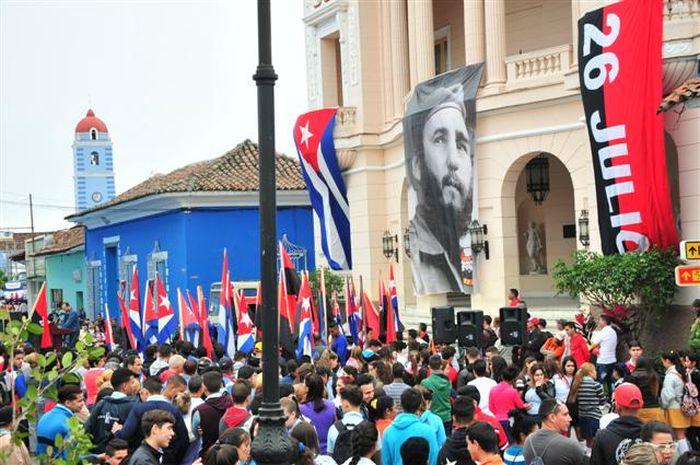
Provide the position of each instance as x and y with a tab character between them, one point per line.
334	282
3	278
632	287
44	383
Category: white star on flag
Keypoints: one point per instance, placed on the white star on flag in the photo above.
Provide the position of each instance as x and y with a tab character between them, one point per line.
305	303
132	295
305	134
165	302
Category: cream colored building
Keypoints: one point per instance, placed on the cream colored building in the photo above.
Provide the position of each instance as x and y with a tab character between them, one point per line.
365	56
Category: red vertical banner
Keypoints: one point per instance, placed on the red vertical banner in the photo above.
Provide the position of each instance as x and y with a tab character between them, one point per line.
620	73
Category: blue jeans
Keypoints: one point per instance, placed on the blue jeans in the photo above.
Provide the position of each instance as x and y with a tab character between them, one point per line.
604	376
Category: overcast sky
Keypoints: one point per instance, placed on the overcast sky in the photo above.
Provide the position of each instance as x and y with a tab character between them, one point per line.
171	79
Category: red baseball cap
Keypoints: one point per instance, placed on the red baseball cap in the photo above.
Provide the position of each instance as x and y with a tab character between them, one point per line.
628	395
534	320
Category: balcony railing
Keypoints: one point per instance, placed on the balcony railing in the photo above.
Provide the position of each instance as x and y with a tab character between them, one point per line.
545	63
681	9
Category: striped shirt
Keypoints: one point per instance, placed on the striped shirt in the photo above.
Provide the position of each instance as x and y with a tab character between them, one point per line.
514	455
394	390
590	398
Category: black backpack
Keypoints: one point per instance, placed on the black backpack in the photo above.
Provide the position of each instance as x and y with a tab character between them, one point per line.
343	443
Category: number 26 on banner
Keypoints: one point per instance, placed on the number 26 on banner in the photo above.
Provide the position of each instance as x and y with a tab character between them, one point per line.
594	80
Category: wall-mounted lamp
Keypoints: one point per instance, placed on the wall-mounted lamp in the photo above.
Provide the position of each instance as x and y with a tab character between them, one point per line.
478	243
390	244
584	236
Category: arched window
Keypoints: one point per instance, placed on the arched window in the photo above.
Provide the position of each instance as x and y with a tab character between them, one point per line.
94	158
93	134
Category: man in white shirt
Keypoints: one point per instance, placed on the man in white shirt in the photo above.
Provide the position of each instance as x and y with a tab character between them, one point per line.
605	340
483	383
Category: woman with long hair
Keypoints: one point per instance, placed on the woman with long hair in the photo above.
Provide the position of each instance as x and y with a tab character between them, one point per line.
305	433
672	394
540	388
521	426
647	380
563	376
319	410
221	454
523	379
364	444
240	440
589	395
355	360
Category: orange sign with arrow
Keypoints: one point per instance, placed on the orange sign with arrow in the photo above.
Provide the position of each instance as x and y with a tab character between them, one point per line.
688	275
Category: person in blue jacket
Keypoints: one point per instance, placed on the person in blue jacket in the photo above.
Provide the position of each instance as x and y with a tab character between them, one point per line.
70	321
55	422
408	425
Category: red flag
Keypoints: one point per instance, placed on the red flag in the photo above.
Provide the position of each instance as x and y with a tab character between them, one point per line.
285	327
305	293
389	315
291	281
125	317
204	322
193	305
109	338
372	320
41	309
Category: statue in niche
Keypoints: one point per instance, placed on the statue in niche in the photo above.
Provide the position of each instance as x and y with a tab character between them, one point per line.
534	246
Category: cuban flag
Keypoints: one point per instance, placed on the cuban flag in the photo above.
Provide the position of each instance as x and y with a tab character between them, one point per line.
109	337
305	324
313	136
165	315
224	321
135	317
189	326
150	319
245	340
353	313
124	317
394	299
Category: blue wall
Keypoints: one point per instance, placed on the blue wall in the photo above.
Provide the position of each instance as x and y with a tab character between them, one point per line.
86	184
194	241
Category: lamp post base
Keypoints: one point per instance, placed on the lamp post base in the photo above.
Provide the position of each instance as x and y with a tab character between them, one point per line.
271	446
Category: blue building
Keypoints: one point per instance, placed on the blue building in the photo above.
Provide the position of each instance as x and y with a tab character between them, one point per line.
179	223
92	163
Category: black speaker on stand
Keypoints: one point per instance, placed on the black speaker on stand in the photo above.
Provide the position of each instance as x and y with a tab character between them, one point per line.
470	328
444	331
513	325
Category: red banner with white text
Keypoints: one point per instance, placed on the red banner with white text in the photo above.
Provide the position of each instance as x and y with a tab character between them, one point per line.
619	53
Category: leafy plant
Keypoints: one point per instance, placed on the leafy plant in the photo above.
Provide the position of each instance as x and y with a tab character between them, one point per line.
51	368
334	282
3	278
632	288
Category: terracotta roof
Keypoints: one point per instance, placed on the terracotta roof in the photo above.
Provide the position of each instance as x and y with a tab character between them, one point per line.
64	240
690	89
236	170
90	121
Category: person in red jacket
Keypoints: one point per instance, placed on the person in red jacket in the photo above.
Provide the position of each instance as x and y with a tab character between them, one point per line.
578	348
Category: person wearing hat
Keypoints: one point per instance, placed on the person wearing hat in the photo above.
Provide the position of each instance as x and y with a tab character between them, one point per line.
612	443
536	338
15	453
694	340
554	346
440	168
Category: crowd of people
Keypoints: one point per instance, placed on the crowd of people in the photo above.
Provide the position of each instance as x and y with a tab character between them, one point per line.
561	398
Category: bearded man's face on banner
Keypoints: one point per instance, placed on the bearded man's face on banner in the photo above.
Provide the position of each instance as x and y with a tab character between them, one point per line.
447	162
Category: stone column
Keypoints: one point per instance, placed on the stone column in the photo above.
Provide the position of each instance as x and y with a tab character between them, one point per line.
473	31
399	53
575	15
495	13
387	65
421	40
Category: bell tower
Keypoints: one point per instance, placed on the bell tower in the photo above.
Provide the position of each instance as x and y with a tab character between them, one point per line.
92	163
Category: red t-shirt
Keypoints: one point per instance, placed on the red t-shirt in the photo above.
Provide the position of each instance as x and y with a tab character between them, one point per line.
90	380
479	415
502	399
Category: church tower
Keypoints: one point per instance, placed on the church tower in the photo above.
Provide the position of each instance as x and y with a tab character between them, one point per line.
92	163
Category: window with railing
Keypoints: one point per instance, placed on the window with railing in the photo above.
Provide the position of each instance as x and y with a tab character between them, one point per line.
93	288
126	267
158	263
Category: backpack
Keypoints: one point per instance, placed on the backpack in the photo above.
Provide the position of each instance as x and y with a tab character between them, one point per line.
537	458
343	443
689	403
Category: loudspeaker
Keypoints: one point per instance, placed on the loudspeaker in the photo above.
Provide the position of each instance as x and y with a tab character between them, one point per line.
470	328
513	325
444	330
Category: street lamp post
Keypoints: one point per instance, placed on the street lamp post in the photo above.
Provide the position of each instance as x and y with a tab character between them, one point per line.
271	445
